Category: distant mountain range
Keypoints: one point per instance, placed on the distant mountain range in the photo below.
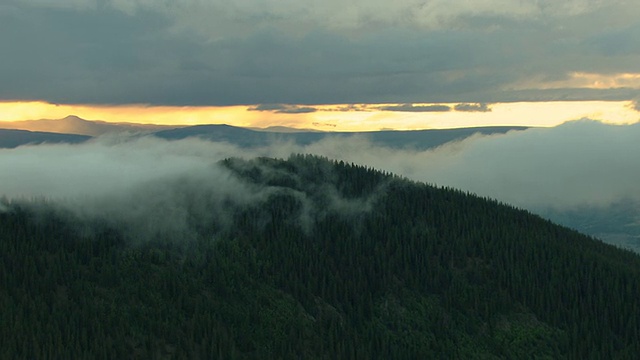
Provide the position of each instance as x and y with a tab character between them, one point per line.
283	129
75	125
10	138
615	226
49	131
412	139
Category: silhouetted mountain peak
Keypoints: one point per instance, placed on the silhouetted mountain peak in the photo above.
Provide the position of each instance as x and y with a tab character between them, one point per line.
74	118
73	124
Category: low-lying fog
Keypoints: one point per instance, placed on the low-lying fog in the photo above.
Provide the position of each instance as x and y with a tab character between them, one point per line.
581	164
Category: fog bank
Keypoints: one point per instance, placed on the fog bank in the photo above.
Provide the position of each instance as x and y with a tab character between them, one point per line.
158	186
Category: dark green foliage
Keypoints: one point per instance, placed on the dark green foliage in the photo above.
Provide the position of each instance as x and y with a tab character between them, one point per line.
337	261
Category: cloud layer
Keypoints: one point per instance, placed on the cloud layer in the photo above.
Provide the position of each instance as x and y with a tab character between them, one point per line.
335	14
315	52
478	107
575	164
416	108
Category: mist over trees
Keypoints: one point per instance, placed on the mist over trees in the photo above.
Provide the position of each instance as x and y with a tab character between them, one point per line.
323	259
581	174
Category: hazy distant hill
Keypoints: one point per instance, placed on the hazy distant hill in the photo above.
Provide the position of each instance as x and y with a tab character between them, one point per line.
15	138
415	139
75	125
617	224
327	261
225	133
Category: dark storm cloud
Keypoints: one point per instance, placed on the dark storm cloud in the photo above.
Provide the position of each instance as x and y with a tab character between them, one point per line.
478	107
94	57
217	53
618	42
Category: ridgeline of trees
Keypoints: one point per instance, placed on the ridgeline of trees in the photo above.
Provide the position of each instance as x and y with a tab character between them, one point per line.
339	261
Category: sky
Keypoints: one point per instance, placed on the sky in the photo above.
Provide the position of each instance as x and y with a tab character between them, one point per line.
330	65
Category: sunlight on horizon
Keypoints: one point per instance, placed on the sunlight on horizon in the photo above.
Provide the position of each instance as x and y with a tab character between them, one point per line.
342	117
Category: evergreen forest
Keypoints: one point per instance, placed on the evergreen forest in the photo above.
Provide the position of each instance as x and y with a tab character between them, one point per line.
332	261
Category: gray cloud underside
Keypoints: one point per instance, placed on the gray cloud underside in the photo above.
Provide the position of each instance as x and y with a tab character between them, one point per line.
297	110
479	107
416	108
268	107
283	108
249	52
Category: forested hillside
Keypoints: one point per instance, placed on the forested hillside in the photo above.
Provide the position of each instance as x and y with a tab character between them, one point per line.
334	261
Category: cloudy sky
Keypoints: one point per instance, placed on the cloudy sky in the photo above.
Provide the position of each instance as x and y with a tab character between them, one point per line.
325	64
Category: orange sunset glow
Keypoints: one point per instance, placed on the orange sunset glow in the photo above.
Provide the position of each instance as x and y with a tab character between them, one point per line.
359	117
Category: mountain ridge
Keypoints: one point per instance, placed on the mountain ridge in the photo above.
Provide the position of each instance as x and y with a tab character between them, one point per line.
247	137
12	138
73	124
421	272
398	139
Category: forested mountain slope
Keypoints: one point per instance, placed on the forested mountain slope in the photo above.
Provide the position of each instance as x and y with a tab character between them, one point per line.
334	261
